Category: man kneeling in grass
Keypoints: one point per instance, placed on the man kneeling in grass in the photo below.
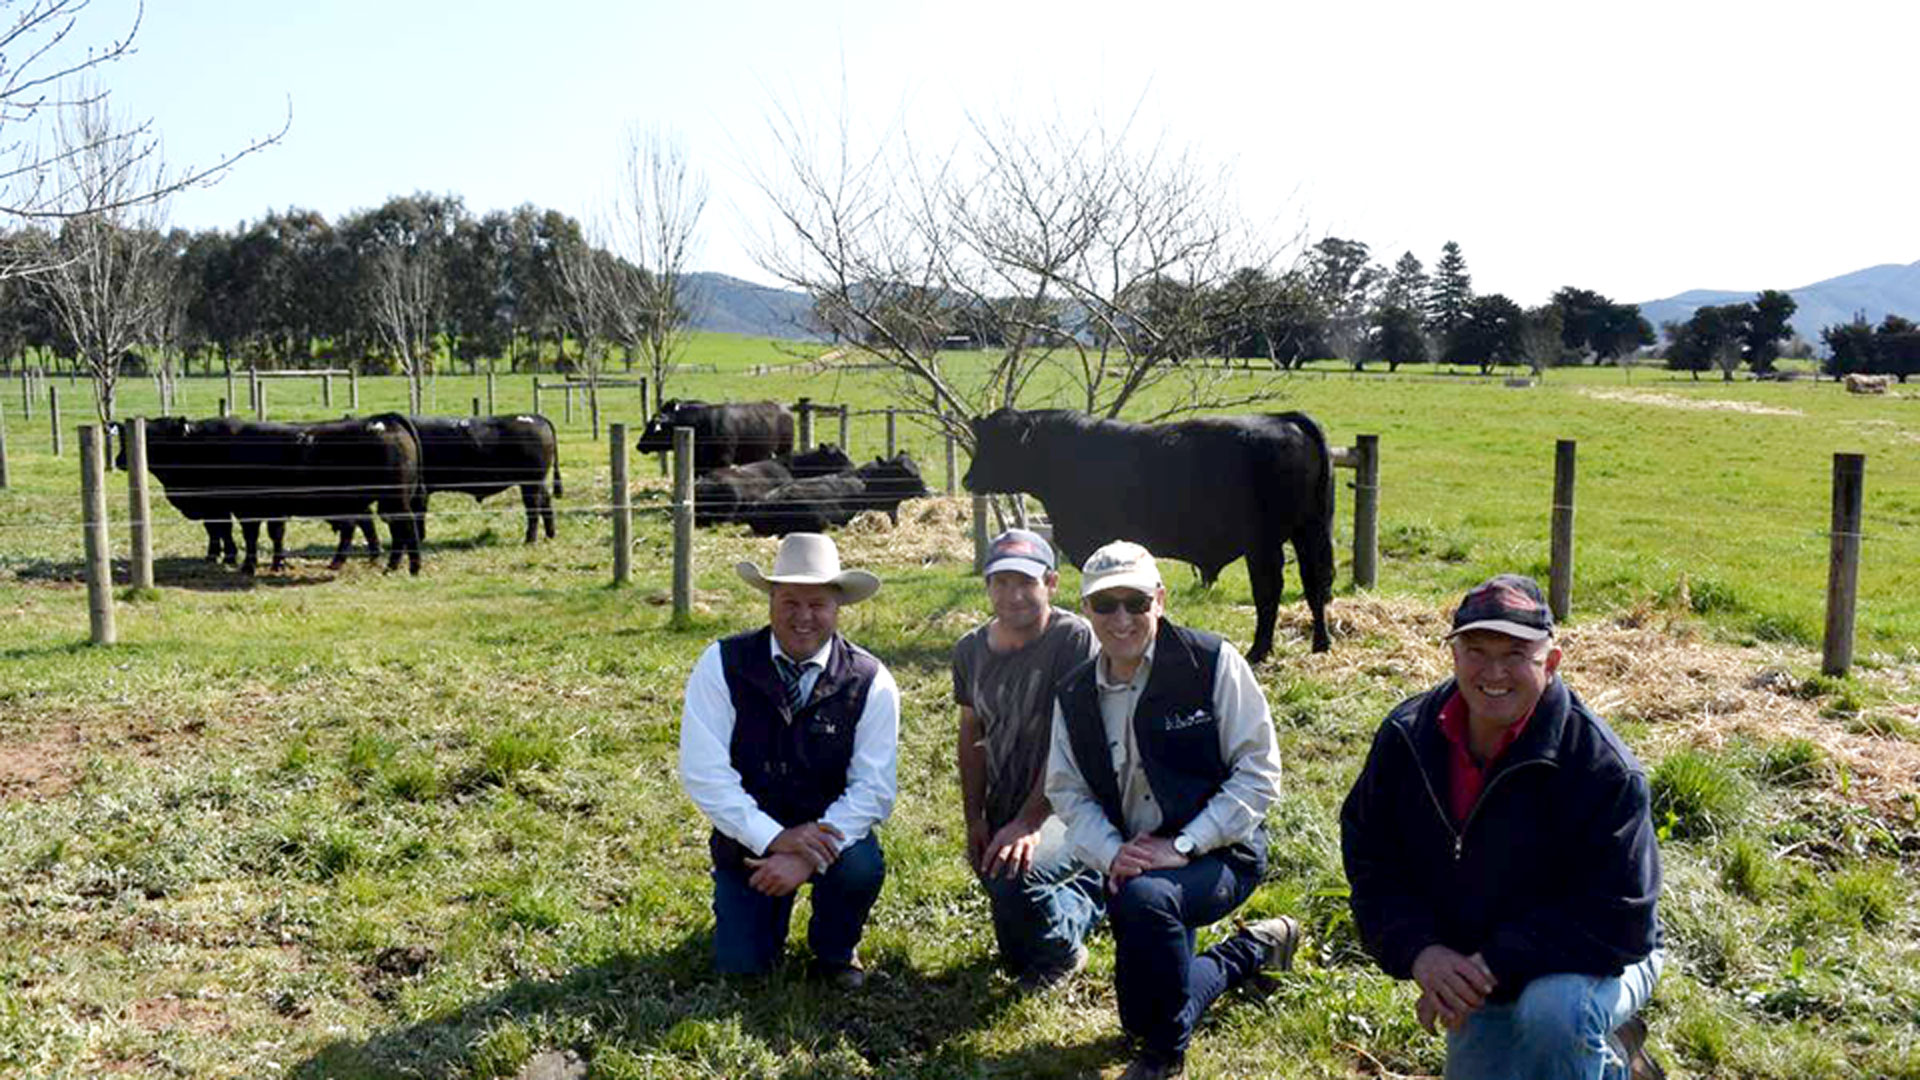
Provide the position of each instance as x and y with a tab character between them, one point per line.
1500	853
789	744
1004	672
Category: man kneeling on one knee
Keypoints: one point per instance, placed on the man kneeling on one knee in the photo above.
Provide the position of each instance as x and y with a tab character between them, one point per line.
788	744
1500	854
1163	765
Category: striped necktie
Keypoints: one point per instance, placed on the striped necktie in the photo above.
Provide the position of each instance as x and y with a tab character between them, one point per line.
791	675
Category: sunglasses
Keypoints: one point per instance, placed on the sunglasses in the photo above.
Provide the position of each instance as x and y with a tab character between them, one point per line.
1135	603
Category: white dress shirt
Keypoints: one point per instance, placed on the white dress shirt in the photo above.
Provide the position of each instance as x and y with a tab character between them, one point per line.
1235	811
714	785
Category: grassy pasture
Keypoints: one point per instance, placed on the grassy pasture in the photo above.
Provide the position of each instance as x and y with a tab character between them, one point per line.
372	826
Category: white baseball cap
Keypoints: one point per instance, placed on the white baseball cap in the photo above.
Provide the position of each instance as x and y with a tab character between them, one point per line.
1121	564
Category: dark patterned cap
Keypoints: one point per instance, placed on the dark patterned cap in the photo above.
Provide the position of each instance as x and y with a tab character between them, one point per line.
1510	604
1017	549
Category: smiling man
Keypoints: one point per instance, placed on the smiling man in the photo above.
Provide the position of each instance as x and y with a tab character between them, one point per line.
1163	766
1500	854
789	745
1004	672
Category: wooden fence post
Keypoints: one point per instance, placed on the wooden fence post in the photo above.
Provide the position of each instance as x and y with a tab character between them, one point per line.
1560	558
26	394
1366	511
53	414
593	405
353	389
476	408
259	400
253	392
892	447
326	391
93	527
490	409
682	523
622	507
845	438
224	408
569	414
1843	562
3	448
805	409
139	505
645	412
979	533
536	395
232	397
953	464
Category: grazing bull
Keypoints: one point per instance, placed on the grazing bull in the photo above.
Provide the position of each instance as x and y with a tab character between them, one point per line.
719	495
486	455
813	504
267	472
176	472
724	434
1204	491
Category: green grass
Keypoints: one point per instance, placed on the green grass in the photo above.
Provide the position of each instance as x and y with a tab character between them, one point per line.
362	825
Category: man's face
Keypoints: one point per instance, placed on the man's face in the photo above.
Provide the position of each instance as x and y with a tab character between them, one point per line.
1124	634
1501	676
804	617
1020	601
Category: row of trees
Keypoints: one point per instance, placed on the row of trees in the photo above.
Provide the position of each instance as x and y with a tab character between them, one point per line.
1725	336
1859	347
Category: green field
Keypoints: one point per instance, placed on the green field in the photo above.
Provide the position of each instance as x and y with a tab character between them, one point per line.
365	825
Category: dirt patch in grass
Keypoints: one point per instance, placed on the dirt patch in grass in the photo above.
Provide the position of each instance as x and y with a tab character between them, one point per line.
44	759
1674	401
1650	665
170	1013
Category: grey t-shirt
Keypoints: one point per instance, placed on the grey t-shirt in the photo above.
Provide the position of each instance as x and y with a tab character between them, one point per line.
1012	696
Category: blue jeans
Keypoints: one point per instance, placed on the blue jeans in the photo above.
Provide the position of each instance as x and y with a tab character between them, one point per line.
1040	919
1163	988
1555	1030
750	928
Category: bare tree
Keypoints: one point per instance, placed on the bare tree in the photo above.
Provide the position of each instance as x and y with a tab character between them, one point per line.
656	217
1075	255
104	273
406	293
43	56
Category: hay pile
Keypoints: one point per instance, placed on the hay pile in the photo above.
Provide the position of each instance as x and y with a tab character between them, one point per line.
931	532
1653	666
1671	401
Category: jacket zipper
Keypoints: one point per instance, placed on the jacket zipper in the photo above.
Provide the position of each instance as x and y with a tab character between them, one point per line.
1460	834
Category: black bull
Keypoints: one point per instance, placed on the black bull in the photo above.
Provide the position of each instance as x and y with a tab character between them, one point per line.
224	468
485	455
1203	491
733	433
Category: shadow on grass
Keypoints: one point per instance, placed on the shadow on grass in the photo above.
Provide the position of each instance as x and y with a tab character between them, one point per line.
903	1022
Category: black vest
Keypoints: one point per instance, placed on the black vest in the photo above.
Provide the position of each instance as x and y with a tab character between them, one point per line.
793	763
1176	730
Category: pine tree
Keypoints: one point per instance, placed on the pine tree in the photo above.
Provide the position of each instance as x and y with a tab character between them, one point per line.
1407	288
1450	292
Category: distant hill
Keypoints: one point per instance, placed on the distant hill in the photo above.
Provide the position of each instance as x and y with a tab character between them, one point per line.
1878	291
732	306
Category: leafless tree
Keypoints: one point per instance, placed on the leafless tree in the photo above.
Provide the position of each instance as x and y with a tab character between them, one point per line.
406	294
104	272
656	218
1081	257
45	55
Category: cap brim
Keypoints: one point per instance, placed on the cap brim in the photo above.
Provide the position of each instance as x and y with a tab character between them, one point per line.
1502	626
854	585
1033	568
1146	583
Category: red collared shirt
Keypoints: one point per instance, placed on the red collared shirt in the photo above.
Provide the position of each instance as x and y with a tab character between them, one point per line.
1466	777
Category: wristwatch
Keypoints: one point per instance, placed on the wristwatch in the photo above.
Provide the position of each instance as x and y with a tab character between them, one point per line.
1183	845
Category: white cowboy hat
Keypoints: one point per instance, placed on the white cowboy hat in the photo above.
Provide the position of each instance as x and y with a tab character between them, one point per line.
810	559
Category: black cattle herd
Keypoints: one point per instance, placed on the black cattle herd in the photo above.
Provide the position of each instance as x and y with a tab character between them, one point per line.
1207	491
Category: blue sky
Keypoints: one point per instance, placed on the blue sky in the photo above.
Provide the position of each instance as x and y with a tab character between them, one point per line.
1637	148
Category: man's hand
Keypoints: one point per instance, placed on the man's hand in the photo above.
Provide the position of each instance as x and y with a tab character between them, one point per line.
1010	853
1139	855
814	841
779	875
1452	986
